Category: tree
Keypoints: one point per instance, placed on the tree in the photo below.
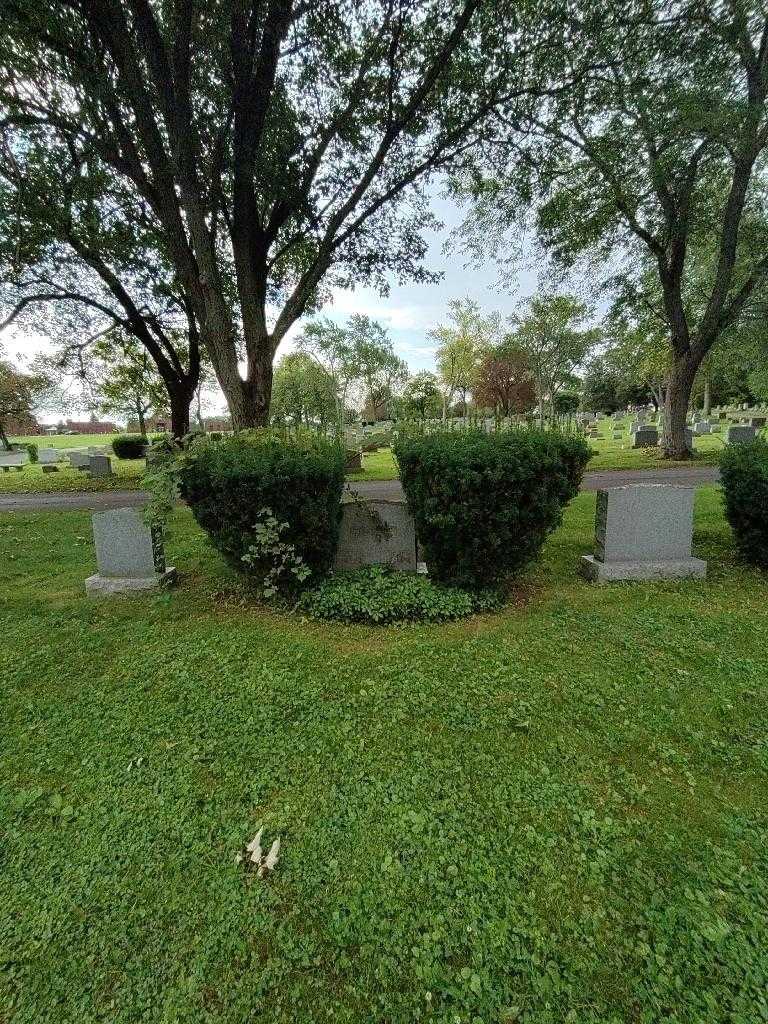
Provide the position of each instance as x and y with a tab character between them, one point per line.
601	386
116	376
359	357
19	395
303	393
504	382
79	258
380	372
421	396
284	146
461	346
554	339
657	147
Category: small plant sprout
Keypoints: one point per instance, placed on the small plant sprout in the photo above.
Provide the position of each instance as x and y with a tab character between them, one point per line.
254	859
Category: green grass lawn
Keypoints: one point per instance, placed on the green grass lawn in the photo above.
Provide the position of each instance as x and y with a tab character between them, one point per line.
67	440
32	480
554	813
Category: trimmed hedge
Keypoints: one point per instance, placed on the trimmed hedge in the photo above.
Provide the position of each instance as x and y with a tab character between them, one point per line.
744	476
130	446
299	479
484	503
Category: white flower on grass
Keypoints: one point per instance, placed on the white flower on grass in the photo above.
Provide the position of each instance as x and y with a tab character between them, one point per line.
271	859
254	847
254	855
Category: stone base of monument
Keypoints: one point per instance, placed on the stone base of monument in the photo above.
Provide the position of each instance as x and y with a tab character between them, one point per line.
99	585
643	532
602	572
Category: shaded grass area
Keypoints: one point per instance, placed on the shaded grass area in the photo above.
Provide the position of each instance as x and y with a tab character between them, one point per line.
553	813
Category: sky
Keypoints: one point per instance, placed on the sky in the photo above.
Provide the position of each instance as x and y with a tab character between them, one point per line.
408	312
411	310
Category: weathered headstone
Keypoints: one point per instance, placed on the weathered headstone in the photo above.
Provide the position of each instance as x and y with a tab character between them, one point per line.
645	437
376	533
48	456
643	532
741	434
702	427
688	439
758	421
100	465
353	462
13	460
79	460
129	554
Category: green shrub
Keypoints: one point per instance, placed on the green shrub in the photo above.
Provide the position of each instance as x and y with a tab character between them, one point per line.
744	475
378	595
485	502
32	449
130	446
299	479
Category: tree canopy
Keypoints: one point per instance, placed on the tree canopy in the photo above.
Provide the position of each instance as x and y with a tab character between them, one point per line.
281	146
652	152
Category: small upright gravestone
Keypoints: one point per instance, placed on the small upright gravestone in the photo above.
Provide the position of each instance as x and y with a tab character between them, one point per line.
129	554
741	435
643	532
100	465
79	460
12	460
645	437
702	427
376	533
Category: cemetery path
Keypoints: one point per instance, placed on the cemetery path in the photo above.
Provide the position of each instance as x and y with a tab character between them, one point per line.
97	501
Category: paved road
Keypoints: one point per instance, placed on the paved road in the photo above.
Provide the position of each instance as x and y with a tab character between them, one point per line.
692	476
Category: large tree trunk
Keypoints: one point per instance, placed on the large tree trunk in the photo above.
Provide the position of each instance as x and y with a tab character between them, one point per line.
248	400
707	409
180	403
679	386
5	444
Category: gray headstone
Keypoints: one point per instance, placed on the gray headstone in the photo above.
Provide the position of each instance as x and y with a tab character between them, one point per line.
702	427
741	434
376	532
79	460
48	456
645	437
758	421
353	462
15	459
129	554
100	465
643	532
688	438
